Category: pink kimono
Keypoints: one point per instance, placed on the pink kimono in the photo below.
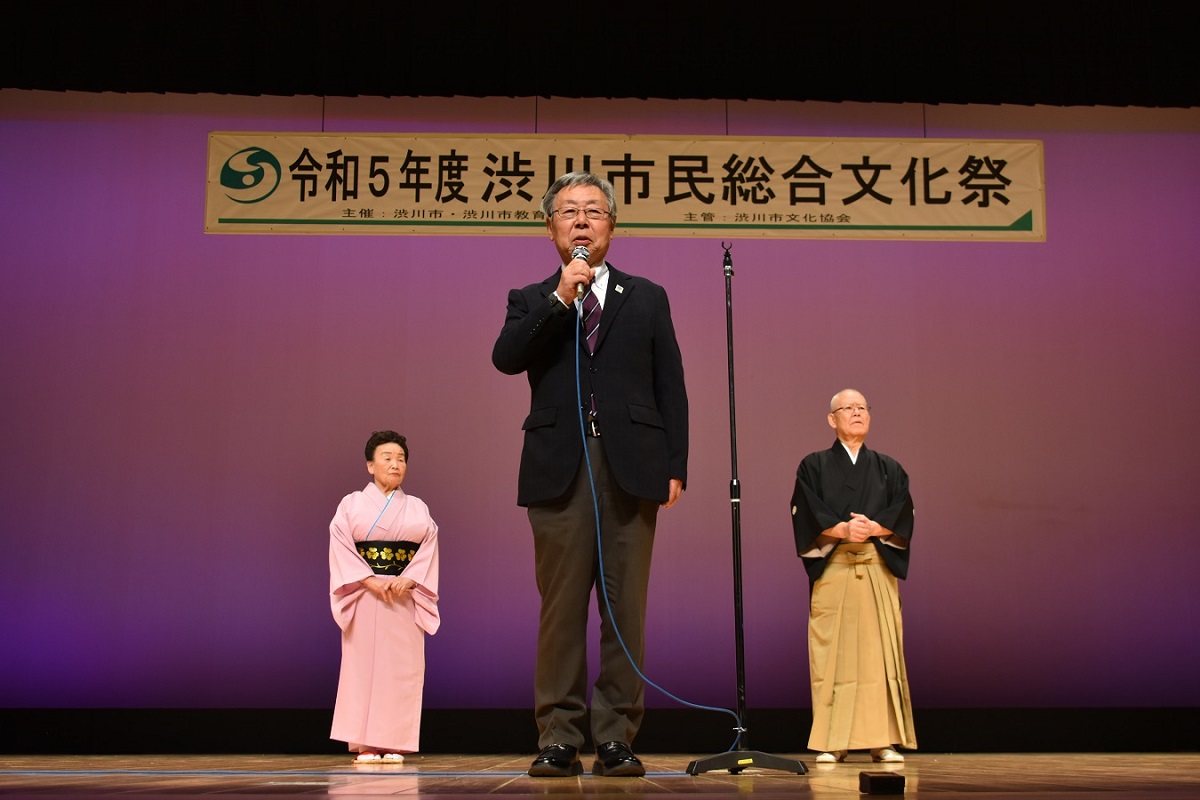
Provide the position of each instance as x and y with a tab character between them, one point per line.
383	646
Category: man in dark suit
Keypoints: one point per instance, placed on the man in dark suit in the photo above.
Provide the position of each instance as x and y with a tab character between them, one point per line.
608	409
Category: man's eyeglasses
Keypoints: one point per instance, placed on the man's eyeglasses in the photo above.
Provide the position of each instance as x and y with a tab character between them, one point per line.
854	409
572	213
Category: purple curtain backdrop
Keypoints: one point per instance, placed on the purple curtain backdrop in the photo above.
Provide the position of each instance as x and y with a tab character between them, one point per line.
182	413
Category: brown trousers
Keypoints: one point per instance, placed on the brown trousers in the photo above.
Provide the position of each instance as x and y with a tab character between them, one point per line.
567	566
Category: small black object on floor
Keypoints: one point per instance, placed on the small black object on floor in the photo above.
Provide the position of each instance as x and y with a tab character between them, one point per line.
880	783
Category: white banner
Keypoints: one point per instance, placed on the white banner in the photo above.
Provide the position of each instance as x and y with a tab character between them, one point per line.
720	187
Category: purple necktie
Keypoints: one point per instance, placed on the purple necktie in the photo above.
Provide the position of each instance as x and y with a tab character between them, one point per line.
591	331
591	320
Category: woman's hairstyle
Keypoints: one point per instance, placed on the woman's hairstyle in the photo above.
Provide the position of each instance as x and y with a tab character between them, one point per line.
385	437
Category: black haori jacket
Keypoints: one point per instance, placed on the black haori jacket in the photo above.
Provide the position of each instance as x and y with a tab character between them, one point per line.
829	487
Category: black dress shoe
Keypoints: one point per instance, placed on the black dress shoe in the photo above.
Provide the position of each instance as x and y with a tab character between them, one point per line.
616	760
556	761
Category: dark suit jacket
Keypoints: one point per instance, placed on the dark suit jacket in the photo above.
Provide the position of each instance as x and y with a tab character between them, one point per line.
636	376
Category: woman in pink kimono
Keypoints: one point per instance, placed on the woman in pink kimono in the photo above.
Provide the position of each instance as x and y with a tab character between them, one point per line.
383	582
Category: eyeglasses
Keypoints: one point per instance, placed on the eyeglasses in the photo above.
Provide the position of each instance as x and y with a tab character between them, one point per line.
573	213
853	409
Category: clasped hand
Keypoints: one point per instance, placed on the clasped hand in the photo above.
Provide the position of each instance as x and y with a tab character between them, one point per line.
860	528
388	589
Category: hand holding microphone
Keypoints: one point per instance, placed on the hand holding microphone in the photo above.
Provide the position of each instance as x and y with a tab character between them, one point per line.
580	252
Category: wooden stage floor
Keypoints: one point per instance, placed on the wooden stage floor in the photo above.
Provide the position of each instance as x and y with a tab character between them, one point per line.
1043	776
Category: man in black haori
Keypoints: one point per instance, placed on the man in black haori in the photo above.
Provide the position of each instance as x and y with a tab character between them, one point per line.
852	517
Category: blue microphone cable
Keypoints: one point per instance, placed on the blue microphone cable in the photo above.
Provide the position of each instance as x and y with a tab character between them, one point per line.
740	728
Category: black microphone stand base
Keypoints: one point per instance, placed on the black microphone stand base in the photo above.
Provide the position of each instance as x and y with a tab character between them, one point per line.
737	760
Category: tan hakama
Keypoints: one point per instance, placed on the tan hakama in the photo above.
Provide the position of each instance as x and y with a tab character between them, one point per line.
860	696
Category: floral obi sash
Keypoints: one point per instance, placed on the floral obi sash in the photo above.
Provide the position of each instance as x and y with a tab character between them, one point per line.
388	558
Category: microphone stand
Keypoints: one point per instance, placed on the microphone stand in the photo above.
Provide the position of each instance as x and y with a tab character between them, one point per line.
741	758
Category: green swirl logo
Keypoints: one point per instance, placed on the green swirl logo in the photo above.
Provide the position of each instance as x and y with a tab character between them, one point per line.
250	175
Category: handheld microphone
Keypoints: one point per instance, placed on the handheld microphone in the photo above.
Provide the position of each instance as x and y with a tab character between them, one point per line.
579	252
